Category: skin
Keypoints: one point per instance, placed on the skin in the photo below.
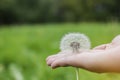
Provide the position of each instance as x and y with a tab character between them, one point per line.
101	59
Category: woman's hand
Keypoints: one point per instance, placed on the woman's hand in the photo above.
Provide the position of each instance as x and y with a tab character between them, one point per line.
103	58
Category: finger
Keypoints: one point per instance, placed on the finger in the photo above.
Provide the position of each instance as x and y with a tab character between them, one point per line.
62	62
52	56
100	47
49	62
55	57
49	57
65	52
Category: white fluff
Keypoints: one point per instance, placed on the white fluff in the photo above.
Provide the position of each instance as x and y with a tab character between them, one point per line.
75	37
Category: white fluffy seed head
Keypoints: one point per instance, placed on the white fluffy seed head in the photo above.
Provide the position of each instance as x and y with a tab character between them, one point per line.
82	39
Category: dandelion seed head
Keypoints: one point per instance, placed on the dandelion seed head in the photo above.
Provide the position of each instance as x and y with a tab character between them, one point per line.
81	39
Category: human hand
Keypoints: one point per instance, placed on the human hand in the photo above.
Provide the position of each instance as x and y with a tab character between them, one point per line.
93	60
61	59
67	58
103	58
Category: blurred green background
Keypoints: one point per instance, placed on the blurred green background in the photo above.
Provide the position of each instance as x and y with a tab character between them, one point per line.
31	30
24	48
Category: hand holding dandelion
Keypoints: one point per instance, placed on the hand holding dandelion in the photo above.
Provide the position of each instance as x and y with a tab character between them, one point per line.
75	42
101	59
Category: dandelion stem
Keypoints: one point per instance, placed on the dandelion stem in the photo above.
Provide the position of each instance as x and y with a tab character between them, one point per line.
77	73
75	46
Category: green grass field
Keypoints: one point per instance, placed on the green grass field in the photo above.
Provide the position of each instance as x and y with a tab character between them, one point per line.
23	49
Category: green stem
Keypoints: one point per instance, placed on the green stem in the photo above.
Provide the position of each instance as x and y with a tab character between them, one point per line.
77	74
75	46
